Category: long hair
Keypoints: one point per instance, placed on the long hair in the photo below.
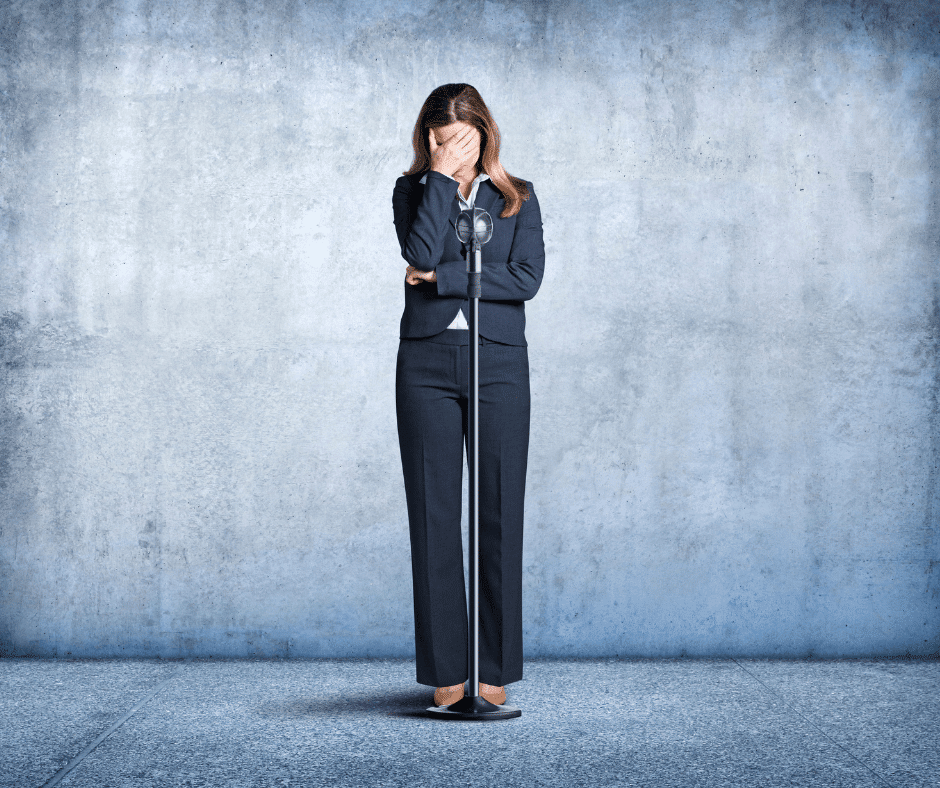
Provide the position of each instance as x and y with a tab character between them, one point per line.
461	102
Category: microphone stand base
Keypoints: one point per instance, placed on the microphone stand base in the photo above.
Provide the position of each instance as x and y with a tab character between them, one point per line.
474	708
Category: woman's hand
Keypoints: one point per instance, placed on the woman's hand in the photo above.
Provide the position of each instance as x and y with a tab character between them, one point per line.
414	275
458	152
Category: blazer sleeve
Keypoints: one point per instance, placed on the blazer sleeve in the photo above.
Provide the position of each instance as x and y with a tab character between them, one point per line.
519	278
422	240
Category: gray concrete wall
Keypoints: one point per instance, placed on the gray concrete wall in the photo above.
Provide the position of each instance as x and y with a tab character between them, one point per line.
734	352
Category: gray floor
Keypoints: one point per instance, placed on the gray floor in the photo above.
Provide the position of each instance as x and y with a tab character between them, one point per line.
640	722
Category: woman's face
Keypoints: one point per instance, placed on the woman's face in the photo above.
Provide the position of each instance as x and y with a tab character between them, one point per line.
444	133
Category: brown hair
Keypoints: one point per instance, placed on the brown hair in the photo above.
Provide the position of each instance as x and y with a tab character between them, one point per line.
461	102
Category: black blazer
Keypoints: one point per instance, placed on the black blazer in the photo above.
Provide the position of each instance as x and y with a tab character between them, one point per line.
512	262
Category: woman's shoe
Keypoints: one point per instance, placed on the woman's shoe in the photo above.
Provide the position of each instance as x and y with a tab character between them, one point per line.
444	696
493	694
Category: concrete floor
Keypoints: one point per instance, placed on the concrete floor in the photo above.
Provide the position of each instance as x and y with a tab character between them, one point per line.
600	722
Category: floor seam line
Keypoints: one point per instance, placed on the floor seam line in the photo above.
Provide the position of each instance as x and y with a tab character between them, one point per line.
57	777
811	722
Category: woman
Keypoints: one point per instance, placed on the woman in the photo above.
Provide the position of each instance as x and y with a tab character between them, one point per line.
456	167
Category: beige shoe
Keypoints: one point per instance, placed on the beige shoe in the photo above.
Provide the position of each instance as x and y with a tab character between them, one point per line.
444	696
493	694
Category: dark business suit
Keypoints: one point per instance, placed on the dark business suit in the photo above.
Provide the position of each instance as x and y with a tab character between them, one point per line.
431	390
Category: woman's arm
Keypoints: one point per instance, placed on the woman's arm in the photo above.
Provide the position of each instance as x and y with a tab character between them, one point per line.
422	241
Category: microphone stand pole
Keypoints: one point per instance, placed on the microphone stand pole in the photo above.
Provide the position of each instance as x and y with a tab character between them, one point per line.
478	229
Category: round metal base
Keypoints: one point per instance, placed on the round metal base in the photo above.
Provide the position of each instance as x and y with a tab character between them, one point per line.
474	708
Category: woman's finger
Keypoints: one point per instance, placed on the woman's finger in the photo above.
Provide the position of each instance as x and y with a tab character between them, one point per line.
456	142
469	142
467	137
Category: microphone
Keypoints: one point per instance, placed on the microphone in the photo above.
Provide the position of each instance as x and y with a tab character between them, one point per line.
476	227
477	224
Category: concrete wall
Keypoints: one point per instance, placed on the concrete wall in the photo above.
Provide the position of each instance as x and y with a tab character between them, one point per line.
734	352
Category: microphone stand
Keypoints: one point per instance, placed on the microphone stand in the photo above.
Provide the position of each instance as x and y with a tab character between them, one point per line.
477	228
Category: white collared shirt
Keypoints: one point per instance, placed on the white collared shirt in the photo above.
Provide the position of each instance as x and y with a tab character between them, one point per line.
465	205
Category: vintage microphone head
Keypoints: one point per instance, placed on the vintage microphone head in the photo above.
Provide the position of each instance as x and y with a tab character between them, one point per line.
478	227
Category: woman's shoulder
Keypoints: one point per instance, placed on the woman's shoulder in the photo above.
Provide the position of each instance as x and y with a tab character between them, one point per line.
515	181
413	178
530	197
404	187
408	183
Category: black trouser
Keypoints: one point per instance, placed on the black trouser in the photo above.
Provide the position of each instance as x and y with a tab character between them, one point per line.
431	390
